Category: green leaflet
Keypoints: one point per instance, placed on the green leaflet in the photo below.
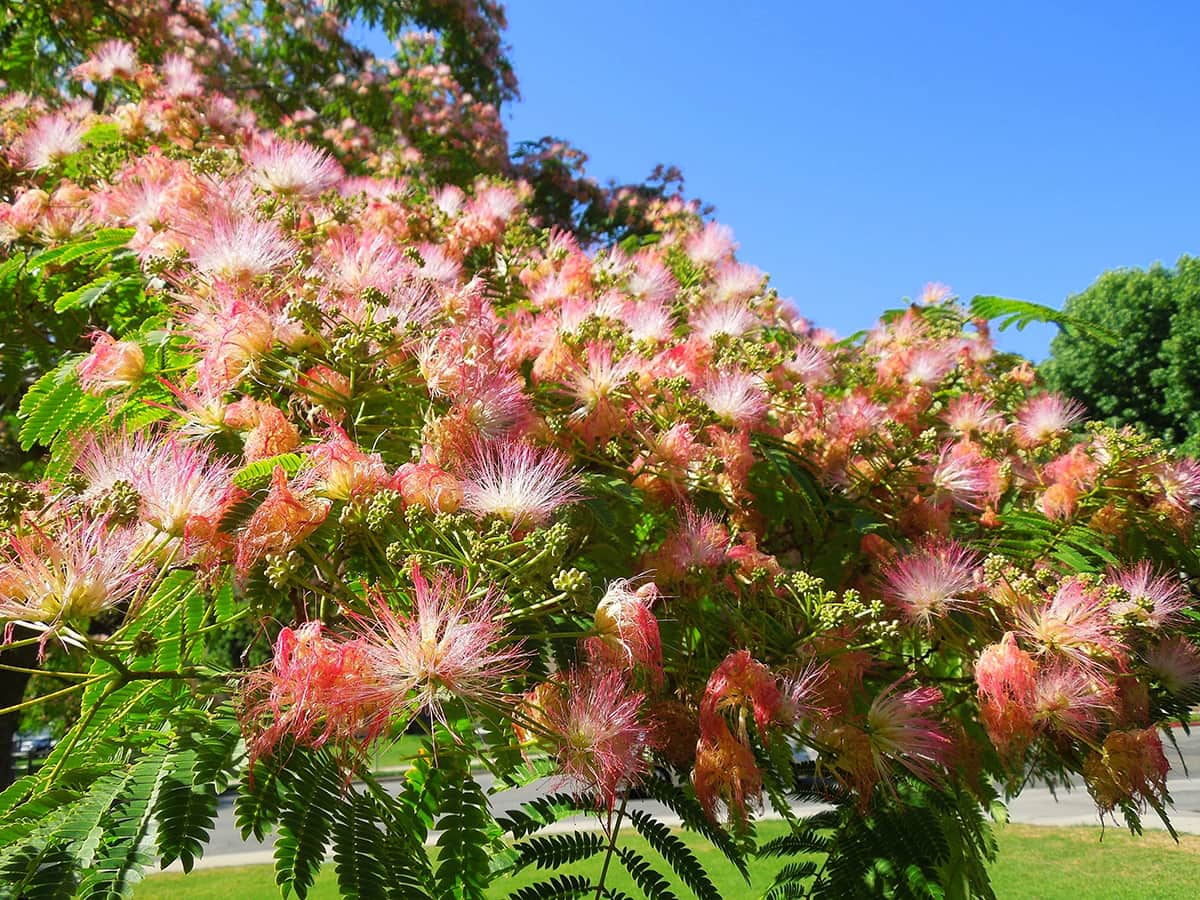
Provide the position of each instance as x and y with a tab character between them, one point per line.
304	822
57	403
360	850
99	242
257	475
676	853
1022	312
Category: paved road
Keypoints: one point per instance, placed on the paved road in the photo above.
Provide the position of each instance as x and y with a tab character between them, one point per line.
1035	806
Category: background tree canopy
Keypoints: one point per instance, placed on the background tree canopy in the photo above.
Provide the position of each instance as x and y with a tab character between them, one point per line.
1149	378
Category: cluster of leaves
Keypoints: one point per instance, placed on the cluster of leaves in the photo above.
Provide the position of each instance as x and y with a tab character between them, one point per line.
1148	378
603	518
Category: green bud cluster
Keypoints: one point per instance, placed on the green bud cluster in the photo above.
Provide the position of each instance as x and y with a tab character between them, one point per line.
120	503
572	582
350	348
381	508
15	497
280	567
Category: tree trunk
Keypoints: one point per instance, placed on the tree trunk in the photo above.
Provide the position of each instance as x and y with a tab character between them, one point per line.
12	691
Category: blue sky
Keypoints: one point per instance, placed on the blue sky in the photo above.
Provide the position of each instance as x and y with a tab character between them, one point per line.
860	150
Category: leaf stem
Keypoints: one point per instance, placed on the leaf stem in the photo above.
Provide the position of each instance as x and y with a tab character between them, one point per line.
25	704
612	846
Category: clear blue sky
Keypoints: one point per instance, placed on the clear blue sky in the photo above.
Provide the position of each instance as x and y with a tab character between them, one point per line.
860	150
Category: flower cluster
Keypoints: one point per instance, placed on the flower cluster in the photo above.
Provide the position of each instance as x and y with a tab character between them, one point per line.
410	430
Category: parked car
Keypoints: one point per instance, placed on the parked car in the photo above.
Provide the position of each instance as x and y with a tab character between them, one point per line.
28	743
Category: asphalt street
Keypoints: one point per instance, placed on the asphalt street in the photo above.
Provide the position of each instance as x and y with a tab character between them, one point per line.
1035	806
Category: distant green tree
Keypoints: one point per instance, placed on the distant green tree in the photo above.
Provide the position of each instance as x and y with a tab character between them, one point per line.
1150	377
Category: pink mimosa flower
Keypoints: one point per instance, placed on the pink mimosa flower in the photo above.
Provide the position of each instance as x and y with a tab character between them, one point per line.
965	476
292	167
732	319
1176	663
53	138
700	541
314	693
448	645
178	481
112	59
1074	624
711	244
82	569
518	482
628	636
1155	598
236	247
902	730
931	581
971	414
593	722
111	365
1045	417
1071	700
736	398
1007	680
741	681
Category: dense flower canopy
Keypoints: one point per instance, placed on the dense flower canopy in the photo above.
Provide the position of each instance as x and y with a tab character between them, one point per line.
448	459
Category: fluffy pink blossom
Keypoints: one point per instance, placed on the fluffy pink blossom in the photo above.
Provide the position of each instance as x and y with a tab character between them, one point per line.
112	59
518	482
700	541
593	723
972	414
810	364
1175	662
934	293
711	244
732	319
292	168
627	632
902	730
353	260
1007	680
1179	484
1045	417
178	482
81	569
931	581
1155	598
447	645
317	691
237	247
111	365
1074	624
180	78
962	474
52	138
736	398
1071	700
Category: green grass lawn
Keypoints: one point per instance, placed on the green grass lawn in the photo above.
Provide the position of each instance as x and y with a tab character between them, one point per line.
397	755
1035	864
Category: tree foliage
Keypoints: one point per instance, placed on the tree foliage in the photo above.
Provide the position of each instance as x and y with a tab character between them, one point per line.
455	444
1148	377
